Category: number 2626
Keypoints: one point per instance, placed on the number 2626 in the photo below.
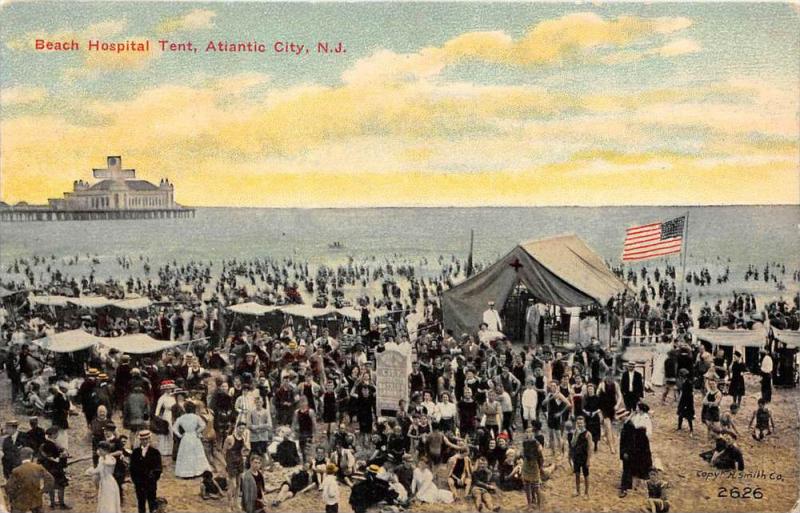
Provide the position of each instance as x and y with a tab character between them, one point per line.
735	493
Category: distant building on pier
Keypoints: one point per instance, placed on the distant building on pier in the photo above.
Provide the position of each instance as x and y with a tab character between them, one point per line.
118	195
118	189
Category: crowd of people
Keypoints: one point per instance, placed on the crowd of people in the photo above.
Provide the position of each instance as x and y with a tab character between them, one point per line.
258	413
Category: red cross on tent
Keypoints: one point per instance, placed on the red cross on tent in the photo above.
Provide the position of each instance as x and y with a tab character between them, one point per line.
516	264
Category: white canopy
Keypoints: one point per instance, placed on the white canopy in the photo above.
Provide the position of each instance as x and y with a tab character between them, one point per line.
49	300
75	340
729	337
252	308
68	341
139	343
788	337
307	311
355	313
134	303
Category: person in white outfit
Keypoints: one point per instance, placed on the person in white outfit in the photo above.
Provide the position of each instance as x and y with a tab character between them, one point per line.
191	461
108	489
164	411
330	489
491	318
424	489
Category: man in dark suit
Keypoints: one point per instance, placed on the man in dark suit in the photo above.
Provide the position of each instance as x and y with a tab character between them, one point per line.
632	386
145	470
12	444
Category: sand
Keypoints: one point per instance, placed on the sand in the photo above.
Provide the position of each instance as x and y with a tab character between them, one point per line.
772	466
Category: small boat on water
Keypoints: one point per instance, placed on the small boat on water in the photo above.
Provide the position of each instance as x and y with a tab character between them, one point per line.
336	245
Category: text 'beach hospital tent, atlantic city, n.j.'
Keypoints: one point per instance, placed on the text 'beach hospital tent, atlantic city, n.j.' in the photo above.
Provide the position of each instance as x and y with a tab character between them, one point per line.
560	270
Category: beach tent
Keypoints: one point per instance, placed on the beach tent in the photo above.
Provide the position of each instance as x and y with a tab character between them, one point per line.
252	308
75	340
133	303
732	338
49	300
788	337
68	341
307	311
139	343
560	270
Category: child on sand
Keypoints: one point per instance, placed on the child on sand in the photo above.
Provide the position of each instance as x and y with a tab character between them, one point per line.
656	494
763	420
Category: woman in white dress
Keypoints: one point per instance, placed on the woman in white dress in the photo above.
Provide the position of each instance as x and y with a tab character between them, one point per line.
108	489
191	461
164	411
423	487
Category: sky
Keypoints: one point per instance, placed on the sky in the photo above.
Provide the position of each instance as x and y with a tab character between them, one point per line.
431	104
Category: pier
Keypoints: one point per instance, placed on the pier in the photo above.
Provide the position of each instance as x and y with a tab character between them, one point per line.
47	214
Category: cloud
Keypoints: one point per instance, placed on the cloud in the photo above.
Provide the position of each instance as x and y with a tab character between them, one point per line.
21	95
678	47
574	37
197	19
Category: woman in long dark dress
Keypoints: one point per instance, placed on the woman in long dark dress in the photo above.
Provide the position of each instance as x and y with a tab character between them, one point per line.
591	410
686	401
641	462
736	387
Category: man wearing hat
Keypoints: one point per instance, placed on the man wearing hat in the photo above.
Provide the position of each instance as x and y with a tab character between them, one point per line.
145	470
12	443
491	318
122	381
24	486
87	395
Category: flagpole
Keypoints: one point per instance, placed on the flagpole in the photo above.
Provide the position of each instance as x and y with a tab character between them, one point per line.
683	255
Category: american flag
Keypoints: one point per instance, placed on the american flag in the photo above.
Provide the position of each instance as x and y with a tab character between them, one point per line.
653	240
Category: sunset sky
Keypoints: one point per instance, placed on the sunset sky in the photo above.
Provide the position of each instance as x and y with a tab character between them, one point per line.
463	104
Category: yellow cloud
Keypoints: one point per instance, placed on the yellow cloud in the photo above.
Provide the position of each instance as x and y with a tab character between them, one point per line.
572	37
21	95
197	19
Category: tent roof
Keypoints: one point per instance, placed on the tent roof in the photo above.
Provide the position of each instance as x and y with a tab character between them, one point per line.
252	308
68	341
75	340
729	337
573	261
560	270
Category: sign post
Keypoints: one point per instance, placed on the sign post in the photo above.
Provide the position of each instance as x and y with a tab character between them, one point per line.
391	369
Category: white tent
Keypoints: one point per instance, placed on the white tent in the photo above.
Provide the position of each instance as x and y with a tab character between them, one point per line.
48	300
139	343
68	341
729	337
134	303
307	311
91	301
252	308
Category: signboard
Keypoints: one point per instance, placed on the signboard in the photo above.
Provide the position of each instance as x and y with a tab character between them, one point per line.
391	369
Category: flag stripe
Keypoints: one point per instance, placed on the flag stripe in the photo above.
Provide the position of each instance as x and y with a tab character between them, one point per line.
636	247
637	228
630	241
660	247
653	240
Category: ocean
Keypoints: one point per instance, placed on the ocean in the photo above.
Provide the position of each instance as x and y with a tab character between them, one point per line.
717	236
